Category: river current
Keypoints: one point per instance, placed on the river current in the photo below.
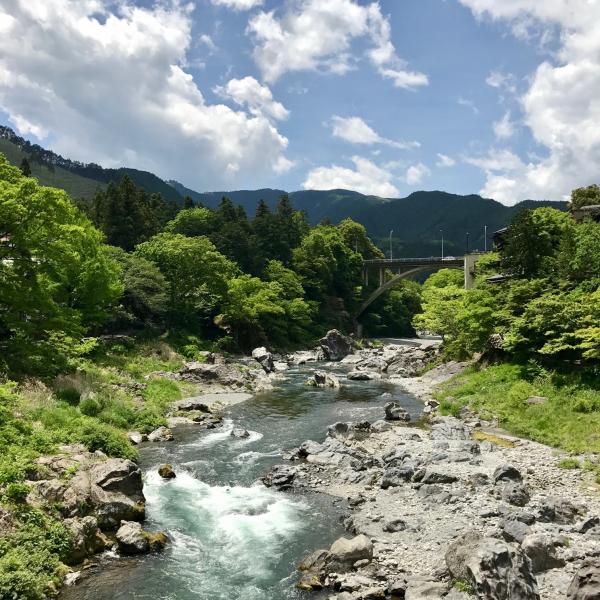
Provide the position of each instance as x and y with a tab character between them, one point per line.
230	537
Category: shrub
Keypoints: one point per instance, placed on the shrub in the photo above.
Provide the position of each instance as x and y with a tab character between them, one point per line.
90	406
16	492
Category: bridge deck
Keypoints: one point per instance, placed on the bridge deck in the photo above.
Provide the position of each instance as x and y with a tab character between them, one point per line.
434	261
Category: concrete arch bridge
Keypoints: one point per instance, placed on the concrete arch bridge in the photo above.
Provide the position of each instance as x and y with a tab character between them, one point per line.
403	268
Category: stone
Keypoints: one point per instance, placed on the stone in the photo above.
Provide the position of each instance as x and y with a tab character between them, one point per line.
190	404
324	379
514	531
586	582
507	473
315	561
396	525
336	346
362	376
449	428
459	552
87	539
132	539
498	572
432	477
309	582
541	551
166	471
348	551
396	476
559	510
162	434
396	412
280	477
264	358
238	432
136	438
515	493
418	589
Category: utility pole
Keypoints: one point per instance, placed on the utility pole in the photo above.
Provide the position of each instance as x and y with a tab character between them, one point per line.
485	238
442	232
391	251
468	242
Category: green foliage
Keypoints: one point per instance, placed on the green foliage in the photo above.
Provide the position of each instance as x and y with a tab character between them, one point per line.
585	196
392	313
196	272
502	391
569	463
57	277
192	222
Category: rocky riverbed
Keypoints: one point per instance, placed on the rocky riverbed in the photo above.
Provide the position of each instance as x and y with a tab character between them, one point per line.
445	508
437	507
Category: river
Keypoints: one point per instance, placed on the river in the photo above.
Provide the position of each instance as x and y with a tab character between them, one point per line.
230	537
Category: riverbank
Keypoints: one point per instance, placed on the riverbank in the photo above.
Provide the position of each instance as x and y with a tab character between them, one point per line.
450	508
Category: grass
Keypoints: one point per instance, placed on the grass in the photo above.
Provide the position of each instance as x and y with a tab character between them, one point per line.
569	419
95	405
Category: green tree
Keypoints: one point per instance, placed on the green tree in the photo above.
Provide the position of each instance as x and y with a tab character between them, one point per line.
145	298
585	196
197	274
192	222
25	168
57	279
188	202
393	312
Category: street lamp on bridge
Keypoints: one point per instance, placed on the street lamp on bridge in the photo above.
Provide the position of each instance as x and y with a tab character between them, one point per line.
442	232
468	234
391	251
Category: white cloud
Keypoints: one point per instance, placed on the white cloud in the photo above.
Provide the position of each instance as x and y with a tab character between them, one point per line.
501	81
366	177
258	98
468	104
356	131
113	90
283	165
445	161
238	4
318	35
504	128
416	173
561	106
207	41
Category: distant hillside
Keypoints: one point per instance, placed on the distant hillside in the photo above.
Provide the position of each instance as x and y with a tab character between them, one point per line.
416	220
79	179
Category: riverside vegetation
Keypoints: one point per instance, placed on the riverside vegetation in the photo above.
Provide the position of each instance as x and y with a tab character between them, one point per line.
83	324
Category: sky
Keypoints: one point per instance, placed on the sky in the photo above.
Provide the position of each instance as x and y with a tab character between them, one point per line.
500	98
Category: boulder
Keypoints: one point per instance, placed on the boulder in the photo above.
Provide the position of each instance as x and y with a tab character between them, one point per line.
514	531
396	476
586	583
87	539
116	492
494	569
362	376
336	346
559	510
166	471
324	379
264	358
507	473
162	434
536	400
238	432
459	552
136	438
541	551
280	477
191	404
396	525
396	412
346	551
449	428
220	373
515	493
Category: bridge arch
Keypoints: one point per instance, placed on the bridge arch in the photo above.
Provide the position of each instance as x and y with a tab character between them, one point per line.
394	280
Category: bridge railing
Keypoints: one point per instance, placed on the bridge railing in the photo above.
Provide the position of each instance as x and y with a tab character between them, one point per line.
429	259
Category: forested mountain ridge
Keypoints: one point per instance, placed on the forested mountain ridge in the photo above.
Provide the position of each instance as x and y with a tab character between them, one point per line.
417	220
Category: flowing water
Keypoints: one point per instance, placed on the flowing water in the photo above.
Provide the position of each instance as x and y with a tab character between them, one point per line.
230	537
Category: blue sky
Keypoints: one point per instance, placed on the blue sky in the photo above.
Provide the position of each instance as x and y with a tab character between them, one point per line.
387	97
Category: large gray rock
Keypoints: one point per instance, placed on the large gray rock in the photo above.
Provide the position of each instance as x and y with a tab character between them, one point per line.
515	493
541	551
324	379
87	539
357	375
459	552
132	539
336	346
116	492
498	572
559	510
507	473
449	428
586	583
280	477
396	412
264	358
396	476
348	551
162	434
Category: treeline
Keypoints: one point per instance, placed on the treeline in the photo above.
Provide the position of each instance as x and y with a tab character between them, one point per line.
137	263
536	301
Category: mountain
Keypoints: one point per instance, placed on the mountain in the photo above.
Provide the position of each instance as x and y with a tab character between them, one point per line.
416	220
80	180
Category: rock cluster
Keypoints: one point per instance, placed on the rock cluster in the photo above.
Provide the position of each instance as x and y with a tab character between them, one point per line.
447	514
94	494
